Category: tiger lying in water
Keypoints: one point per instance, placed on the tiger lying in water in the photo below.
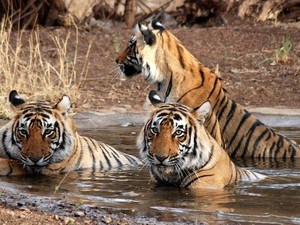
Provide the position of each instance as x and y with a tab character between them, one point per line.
42	138
180	152
180	77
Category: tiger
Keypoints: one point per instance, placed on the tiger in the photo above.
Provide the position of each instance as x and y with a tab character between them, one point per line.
42	138
180	152
179	77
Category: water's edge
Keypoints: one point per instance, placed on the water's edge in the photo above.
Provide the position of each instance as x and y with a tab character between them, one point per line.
270	116
91	119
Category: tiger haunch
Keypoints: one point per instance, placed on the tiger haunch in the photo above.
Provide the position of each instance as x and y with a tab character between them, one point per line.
180	152
42	138
180	77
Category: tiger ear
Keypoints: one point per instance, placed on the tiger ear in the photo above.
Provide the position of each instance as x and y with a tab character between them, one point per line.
148	35
64	104
15	100
202	111
154	100
155	25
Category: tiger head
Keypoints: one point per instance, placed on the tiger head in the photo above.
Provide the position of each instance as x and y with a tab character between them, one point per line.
40	133
129	61
174	141
156	52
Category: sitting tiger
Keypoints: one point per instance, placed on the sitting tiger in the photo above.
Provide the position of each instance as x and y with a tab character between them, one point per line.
180	77
42	138
180	152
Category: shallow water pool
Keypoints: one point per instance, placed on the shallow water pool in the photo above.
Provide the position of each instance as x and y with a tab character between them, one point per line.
275	200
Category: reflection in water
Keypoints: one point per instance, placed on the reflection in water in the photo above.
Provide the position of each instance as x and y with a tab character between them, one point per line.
274	200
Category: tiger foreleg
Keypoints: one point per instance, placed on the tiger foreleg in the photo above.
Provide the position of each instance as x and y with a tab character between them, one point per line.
11	167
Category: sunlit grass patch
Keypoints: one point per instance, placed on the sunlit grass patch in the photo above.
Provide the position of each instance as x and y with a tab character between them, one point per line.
283	53
24	68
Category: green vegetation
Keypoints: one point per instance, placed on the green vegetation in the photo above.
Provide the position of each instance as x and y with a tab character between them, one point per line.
282	54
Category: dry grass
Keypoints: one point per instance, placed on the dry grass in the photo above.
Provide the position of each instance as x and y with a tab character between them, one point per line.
283	54
23	67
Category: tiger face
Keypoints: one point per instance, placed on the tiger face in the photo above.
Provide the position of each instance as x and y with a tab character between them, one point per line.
153	53
168	143
129	61
40	133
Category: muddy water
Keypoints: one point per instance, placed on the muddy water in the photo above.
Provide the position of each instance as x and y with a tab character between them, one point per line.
275	200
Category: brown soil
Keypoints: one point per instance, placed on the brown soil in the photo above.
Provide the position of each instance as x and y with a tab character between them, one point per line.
245	54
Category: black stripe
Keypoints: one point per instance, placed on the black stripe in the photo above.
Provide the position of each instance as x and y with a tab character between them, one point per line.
202	75
239	174
188	92
209	158
229	116
271	150
234	152
258	139
218	99
116	156
221	103
107	159
91	150
245	117
197	178
80	157
181	60
292	151
247	174
100	165
169	87
131	159
249	134
213	89
45	115
6	149
279	145
214	130
159	86
220	112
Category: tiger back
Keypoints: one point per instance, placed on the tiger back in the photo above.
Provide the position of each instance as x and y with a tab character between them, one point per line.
180	77
180	152
42	138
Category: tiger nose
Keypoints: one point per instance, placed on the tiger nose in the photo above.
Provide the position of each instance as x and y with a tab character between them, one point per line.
35	159
161	158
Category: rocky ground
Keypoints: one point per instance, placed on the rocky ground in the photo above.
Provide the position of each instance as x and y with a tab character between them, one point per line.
260	64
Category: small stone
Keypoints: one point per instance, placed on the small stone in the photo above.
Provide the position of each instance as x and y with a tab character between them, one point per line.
56	217
123	221
68	220
107	220
22	216
11	213
79	214
20	204
127	124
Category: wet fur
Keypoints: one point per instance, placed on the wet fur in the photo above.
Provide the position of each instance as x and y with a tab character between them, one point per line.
42	138
194	160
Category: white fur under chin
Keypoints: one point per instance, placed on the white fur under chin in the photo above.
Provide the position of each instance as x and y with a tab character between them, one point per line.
153	75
